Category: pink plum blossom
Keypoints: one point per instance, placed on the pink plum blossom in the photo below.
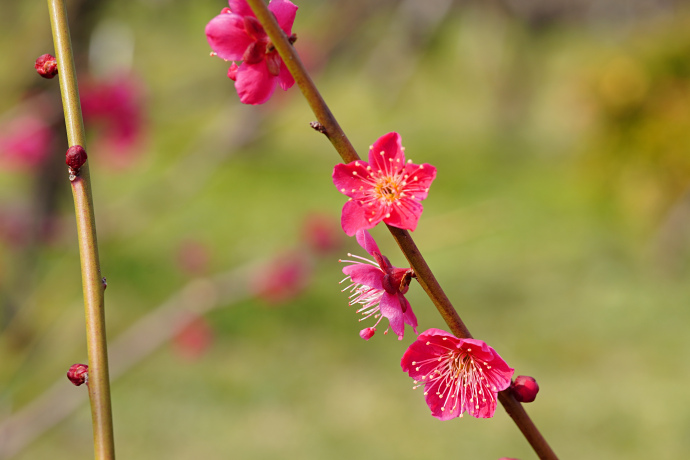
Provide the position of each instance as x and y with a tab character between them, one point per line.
283	278
236	35
115	107
380	288
194	337
458	374
25	142
385	189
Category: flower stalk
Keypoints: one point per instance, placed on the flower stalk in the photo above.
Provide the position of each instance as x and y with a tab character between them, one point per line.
93	286
330	127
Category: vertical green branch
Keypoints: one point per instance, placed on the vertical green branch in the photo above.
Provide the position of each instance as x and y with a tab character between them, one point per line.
99	382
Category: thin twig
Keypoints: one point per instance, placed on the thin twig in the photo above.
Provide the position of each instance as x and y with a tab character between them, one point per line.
92	284
130	348
424	275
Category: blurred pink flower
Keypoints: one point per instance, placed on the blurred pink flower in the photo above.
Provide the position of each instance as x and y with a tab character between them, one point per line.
458	374
282	279
236	35
194	338
24	142
115	106
193	258
322	234
380	288
384	189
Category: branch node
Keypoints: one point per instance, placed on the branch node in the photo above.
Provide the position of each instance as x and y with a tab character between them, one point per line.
318	127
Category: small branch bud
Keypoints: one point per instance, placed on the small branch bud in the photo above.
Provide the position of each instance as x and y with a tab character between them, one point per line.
46	66
318	127
78	374
75	159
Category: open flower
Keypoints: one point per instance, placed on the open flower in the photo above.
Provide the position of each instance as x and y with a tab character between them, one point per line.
379	287
458	374
236	35
384	189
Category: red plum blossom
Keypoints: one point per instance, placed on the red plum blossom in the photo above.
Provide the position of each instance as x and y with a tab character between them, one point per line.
236	35
458	374
384	189
380	288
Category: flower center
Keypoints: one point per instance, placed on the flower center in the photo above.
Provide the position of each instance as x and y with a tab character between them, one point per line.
388	189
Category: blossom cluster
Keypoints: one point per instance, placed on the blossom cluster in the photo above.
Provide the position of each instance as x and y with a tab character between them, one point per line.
458	374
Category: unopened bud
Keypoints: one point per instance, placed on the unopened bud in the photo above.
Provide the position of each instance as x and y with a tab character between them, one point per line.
75	158
367	333
525	388
232	71
78	374
46	66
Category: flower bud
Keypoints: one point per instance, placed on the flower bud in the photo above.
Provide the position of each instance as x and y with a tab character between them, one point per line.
525	388
75	158
78	374
367	333
46	66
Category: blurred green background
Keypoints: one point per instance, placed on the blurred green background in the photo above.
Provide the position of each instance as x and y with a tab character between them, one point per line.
558	225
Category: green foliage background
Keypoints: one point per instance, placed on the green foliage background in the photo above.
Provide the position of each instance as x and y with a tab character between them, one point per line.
556	225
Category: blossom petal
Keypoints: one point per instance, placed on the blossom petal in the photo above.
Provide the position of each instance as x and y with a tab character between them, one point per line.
387	154
348	178
367	242
419	181
227	37
430	342
436	403
285	12
254	83
367	275
285	77
240	7
405	214
355	217
391	309
409	316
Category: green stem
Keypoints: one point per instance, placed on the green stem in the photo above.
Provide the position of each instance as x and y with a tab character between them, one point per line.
93	287
426	278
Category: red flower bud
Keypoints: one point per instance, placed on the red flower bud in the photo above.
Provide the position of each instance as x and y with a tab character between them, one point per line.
78	374
46	66
525	388
367	333
75	158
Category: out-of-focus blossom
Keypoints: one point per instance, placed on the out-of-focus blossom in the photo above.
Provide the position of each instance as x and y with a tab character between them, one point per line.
282	279
115	108
321	234
194	338
236	35
380	288
385	189
25	142
458	374
193	258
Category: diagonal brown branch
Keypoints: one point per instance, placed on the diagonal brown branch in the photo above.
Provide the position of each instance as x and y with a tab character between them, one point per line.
424	275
